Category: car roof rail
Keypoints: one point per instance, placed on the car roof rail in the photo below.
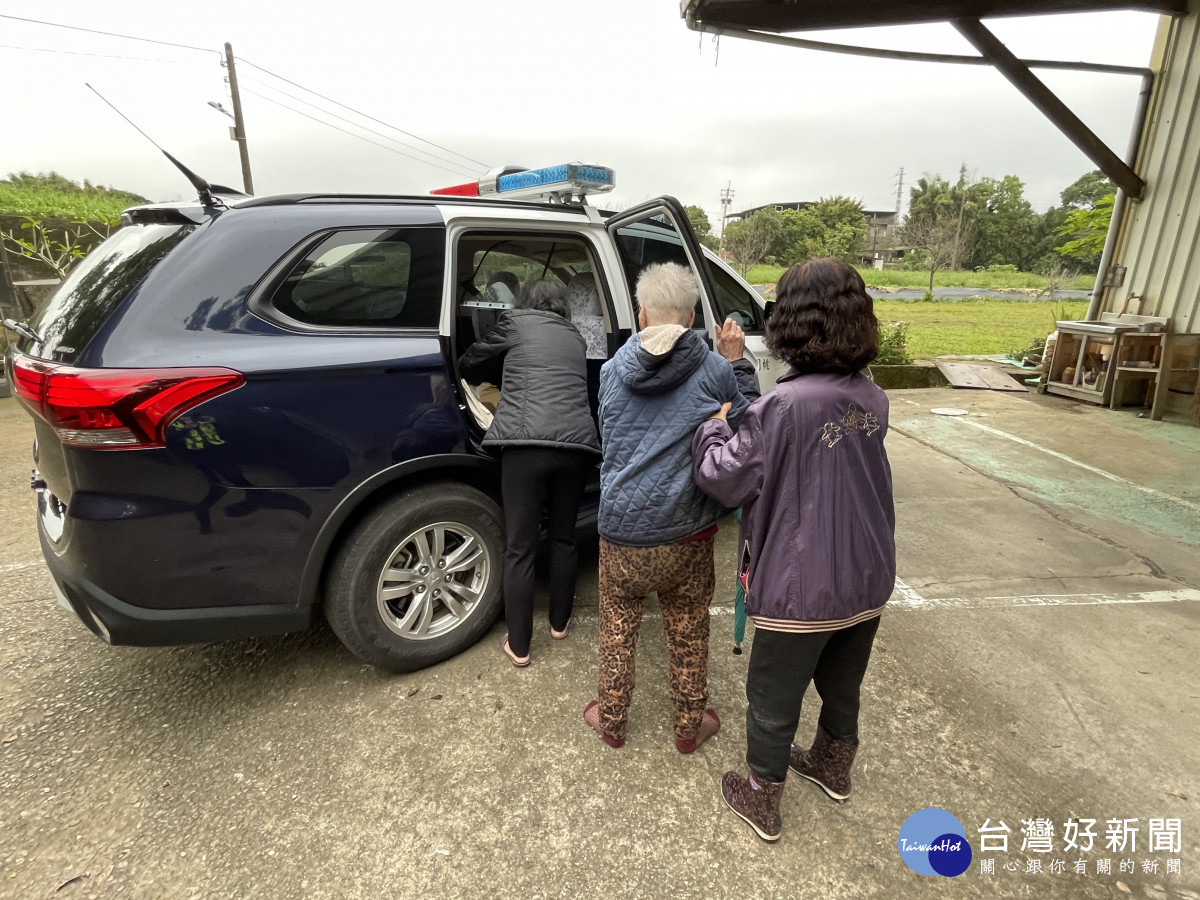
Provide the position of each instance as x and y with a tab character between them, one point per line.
423	200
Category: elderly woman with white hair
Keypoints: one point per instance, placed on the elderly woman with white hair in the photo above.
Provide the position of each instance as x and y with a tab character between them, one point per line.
656	527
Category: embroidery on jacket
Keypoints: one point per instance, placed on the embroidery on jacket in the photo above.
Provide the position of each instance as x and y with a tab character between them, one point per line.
855	419
832	433
860	419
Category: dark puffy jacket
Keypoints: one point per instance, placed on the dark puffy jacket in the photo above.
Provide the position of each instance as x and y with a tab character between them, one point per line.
538	361
650	404
809	467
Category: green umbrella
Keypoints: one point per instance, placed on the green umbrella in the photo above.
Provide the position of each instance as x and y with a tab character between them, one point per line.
739	619
739	611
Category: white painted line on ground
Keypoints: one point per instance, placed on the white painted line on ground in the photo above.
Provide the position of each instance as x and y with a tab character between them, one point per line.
1075	462
908	598
15	567
902	601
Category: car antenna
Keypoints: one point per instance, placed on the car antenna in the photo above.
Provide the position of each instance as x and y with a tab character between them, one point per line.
203	188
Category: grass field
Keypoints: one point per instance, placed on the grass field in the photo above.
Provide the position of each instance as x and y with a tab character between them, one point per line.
920	280
974	327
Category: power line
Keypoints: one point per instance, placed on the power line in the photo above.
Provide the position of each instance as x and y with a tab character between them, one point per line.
363	114
351	133
81	53
128	37
386	137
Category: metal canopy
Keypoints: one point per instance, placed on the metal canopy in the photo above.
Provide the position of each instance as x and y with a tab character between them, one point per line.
810	15
762	20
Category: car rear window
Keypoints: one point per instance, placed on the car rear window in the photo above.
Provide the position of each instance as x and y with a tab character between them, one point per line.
367	278
98	285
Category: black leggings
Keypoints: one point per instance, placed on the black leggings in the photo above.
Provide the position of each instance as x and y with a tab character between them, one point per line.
533	478
781	666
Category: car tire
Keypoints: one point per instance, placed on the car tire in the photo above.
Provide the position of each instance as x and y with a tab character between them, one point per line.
419	579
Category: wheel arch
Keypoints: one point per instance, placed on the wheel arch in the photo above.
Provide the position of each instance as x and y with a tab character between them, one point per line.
479	472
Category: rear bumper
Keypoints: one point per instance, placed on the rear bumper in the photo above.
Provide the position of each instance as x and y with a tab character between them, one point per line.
117	622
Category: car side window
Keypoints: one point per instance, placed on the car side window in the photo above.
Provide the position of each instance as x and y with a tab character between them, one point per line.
735	303
493	268
649	241
655	241
367	278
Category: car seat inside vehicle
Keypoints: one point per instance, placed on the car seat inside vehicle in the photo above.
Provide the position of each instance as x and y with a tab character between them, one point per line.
493	267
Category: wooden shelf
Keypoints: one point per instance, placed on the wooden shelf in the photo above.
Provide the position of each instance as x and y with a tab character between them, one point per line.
1083	348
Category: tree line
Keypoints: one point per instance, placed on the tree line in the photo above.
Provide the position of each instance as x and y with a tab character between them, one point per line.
962	224
988	224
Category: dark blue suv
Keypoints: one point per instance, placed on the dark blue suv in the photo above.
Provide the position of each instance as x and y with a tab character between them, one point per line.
247	410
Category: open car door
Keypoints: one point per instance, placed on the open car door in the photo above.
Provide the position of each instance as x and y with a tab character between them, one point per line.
658	231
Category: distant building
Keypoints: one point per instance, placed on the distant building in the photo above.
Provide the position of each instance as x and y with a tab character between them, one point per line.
876	250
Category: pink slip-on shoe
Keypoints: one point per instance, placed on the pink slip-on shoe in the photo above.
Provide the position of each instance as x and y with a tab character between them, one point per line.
562	635
591	715
519	662
710	724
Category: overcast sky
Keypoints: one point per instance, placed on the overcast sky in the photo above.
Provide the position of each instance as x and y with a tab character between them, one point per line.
622	83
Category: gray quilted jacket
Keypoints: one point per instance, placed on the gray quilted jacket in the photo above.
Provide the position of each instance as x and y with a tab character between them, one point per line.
538	358
650	405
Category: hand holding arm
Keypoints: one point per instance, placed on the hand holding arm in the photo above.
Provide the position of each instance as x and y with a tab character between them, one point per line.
730	467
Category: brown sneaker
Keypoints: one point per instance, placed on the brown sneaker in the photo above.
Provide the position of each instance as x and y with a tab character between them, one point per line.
826	763
756	800
710	724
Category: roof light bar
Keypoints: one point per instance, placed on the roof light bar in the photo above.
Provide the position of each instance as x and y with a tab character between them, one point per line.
460	190
567	183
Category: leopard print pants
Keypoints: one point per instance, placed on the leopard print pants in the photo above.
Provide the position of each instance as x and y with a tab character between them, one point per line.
683	577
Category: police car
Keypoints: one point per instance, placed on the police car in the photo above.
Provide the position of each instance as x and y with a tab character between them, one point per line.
247	408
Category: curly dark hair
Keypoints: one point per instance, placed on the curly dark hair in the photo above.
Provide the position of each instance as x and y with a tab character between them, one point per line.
545	296
823	320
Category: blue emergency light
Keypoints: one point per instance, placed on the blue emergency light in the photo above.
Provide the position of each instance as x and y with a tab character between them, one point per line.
565	183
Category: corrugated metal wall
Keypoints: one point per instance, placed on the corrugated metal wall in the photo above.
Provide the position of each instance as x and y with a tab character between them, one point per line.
1160	236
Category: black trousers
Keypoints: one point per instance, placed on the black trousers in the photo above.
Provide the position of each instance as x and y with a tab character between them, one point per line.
533	479
781	666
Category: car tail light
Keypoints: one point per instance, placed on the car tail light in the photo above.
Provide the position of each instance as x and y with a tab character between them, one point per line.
115	409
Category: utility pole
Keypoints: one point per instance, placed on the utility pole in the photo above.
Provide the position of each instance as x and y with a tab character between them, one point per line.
962	206
726	202
899	193
239	124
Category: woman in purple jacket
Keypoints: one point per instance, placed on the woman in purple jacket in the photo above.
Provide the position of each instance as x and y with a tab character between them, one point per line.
818	553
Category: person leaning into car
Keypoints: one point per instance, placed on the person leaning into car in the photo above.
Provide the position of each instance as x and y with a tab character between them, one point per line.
548	444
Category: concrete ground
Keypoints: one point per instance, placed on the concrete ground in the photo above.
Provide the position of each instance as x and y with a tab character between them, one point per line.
1039	661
